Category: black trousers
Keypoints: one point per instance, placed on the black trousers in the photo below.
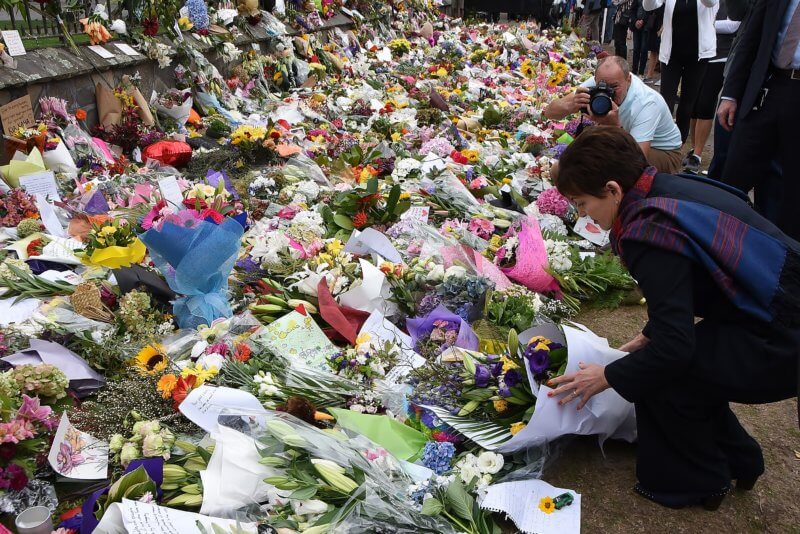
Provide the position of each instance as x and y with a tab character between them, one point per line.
766	135
688	73
621	41
690	443
639	52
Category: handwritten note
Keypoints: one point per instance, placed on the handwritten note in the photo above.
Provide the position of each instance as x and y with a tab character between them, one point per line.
170	191
134	517
297	336
100	51
14	43
17	113
127	49
204	405
41	182
416	213
49	217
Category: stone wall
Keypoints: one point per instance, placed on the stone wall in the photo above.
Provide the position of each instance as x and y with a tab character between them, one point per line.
61	73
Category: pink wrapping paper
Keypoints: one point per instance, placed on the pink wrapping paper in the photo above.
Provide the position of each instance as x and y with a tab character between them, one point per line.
531	260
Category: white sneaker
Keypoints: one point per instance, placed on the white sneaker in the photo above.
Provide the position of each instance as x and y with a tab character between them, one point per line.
657	83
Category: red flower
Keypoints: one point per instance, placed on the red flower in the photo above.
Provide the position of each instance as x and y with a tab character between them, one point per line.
16	475
242	353
216	216
34	248
182	389
458	157
8	451
360	219
150	26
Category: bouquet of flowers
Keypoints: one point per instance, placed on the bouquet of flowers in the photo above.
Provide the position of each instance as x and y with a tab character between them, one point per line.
439	330
399	46
363	207
196	257
175	104
113	244
254	144
16	205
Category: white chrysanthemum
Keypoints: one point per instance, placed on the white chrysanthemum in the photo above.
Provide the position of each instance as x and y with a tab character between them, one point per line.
308	189
490	463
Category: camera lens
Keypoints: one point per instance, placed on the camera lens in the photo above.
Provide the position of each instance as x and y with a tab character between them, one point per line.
600	104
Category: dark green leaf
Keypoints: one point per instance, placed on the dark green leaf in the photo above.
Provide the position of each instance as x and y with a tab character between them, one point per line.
303	494
459	500
343	221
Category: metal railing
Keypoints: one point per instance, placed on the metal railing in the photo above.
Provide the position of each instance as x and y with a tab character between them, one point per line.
38	20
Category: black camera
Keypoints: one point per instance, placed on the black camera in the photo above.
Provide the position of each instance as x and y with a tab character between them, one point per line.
601	99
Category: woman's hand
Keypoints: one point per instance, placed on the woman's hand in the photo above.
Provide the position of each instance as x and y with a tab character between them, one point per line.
635	344
586	383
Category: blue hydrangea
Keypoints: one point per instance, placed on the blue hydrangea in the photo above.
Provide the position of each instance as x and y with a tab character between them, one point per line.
437	456
198	13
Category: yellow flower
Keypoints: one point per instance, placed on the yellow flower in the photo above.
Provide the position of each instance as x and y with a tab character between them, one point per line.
362	338
404	195
364	176
151	360
516	427
500	405
166	384
442	72
277	76
507	180
185	24
546	505
396	136
108	230
508	364
200	373
334	247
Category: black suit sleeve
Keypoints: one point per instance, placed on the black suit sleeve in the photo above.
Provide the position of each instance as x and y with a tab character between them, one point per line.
665	278
744	53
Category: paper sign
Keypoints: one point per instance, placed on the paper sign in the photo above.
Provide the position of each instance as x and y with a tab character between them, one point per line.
17	113
134	517
297	337
171	191
204	405
62	250
257	47
76	454
416	213
14	44
520	501
17	312
100	51
372	241
40	183
49	217
127	49
591	231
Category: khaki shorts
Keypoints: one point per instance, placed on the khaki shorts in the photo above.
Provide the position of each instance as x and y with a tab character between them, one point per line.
668	161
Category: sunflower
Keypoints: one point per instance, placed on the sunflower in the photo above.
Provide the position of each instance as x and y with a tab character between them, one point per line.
151	359
546	505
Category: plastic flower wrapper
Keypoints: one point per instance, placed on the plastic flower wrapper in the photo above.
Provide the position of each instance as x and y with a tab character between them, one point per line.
420	328
113	244
322	478
196	259
531	260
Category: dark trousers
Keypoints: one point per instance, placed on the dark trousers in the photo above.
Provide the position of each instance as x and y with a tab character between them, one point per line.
689	74
621	41
639	52
762	138
690	443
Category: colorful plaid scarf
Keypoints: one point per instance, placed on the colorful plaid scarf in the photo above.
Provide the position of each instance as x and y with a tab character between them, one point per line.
750	267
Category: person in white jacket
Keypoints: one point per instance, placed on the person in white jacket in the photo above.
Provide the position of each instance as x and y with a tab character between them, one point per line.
688	41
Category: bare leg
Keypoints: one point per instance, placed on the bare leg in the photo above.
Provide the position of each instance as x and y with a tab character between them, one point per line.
701	131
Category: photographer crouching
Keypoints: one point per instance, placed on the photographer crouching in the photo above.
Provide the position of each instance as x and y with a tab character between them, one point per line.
615	97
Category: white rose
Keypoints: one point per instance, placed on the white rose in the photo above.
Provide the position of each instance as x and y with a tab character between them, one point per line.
490	462
456	271
468	473
436	274
211	360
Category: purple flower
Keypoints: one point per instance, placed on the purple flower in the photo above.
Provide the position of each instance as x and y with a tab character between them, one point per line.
482	376
429	419
538	359
504	391
32	410
247	264
497	368
512	378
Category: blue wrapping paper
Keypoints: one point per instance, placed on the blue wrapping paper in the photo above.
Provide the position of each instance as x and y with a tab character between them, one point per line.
196	262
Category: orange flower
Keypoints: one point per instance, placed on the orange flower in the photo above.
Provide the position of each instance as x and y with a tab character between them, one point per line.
182	389
166	384
80	114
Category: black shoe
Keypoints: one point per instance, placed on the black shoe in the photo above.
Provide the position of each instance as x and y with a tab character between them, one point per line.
692	163
682	500
746	484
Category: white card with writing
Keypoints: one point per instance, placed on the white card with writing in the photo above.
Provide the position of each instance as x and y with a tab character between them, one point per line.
205	404
134	517
416	213
170	191
127	49
13	42
43	182
100	51
297	337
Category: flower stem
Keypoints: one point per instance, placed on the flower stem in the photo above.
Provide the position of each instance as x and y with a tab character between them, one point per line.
459	523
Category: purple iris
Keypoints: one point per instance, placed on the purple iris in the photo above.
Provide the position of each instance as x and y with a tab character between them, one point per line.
497	368
538	359
482	376
504	391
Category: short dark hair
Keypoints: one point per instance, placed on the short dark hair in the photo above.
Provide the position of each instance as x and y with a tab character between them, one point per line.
599	154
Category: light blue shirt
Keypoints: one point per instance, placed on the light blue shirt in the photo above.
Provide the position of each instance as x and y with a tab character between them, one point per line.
644	114
782	34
